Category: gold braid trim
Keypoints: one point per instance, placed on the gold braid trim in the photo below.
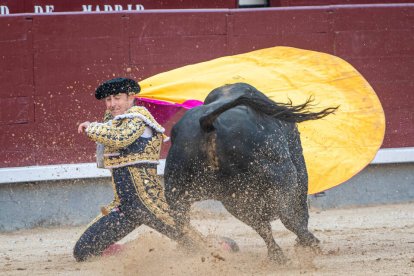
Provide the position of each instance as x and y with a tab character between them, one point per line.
116	134
150	154
105	210
151	192
122	130
150	120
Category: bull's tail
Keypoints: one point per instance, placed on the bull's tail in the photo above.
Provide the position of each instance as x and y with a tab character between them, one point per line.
283	111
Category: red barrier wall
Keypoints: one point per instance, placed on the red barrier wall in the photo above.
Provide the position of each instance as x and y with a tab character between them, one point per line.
51	64
52	6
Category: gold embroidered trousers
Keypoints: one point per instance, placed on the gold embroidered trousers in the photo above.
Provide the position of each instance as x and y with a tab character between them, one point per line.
139	199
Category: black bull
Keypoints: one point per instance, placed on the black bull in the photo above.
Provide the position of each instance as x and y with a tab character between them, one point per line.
244	150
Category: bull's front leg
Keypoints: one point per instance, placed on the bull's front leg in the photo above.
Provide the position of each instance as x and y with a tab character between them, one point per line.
189	237
274	252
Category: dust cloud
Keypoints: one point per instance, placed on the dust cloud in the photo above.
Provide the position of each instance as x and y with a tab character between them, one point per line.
356	241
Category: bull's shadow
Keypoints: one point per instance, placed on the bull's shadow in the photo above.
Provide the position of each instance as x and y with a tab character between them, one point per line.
242	149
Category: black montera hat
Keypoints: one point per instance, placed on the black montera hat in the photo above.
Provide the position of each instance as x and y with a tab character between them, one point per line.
115	86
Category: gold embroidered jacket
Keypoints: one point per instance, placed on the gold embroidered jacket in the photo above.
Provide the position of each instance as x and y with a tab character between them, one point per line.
131	138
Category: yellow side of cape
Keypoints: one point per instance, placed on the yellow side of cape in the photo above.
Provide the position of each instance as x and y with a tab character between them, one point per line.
336	147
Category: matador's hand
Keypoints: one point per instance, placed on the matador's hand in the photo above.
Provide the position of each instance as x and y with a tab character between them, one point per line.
83	126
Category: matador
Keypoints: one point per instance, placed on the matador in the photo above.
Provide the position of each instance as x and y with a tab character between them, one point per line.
131	140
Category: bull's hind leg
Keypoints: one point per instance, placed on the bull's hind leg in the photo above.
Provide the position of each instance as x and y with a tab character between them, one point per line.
260	225
290	197
295	218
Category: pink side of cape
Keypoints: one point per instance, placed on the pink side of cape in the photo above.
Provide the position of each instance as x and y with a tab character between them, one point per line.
162	110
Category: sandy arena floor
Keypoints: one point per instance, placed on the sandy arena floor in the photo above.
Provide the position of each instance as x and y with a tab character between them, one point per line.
358	241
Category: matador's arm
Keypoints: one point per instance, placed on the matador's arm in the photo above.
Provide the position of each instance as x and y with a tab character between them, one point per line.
116	133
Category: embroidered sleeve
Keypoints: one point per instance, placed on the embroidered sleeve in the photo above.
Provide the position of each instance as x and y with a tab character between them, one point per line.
117	133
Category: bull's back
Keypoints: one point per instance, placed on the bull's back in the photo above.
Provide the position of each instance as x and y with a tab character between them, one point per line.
242	138
245	138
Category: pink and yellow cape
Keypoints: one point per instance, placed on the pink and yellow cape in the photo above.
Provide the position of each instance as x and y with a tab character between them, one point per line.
336	147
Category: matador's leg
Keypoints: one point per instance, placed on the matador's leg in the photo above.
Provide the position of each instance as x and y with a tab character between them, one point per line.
158	214
105	231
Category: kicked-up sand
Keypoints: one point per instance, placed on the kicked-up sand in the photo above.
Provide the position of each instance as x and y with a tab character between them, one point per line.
375	240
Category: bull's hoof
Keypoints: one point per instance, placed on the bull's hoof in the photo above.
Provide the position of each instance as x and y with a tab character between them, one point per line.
312	243
278	258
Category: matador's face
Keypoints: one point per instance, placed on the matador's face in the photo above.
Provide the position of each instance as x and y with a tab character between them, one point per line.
118	104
